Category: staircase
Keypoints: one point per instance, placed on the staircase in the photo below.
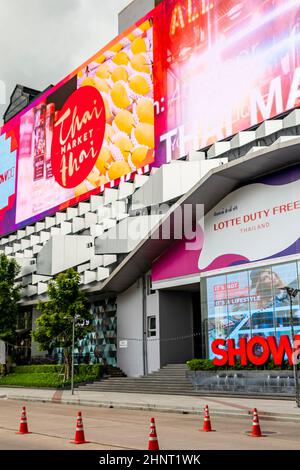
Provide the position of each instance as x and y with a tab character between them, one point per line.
111	371
170	380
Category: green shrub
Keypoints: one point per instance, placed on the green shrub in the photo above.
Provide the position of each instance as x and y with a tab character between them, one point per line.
42	380
32	380
50	375
201	364
2	369
89	369
82	369
41	369
207	364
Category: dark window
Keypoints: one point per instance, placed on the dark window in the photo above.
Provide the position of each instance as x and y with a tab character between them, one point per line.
149	285
151	326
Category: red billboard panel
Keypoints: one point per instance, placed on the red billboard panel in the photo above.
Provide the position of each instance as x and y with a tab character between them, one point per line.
91	130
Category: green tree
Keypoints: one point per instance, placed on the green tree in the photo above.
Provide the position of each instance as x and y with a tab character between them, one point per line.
9	297
67	303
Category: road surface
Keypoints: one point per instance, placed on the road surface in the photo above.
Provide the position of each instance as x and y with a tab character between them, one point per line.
53	426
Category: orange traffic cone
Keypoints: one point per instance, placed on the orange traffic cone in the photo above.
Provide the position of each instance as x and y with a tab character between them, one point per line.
256	432
23	423
153	442
79	433
206	422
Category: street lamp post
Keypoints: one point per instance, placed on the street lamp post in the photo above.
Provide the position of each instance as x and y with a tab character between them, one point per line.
73	347
291	292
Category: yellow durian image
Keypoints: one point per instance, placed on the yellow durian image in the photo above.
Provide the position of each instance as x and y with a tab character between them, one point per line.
139	155
144	110
140	63
80	189
139	45
120	73
108	113
109	132
103	180
124	121
104	71
98	83
102	85
94	178
120	96
121	58
131	37
139	84
104	160
89	81
118	169
123	142
117	47
144	134
100	59
146	25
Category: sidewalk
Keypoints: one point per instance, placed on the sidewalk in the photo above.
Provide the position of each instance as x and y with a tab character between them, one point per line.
281	410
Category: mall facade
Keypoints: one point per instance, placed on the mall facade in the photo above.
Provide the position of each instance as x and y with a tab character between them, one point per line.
195	234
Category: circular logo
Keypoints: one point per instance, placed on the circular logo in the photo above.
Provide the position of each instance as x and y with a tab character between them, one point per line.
78	136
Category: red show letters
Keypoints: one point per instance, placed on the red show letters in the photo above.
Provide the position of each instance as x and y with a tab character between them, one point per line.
228	353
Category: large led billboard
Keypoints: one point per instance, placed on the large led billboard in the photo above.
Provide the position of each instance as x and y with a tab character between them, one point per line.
251	303
91	130
190	73
223	66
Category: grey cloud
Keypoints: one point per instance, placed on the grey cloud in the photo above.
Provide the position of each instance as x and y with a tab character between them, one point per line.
42	41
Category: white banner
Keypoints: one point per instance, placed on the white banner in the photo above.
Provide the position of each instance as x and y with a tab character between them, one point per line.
252	223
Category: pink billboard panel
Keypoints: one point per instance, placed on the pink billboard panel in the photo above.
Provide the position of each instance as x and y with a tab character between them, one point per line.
223	66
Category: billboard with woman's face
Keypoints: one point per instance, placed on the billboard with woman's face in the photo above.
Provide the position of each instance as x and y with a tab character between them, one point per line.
251	303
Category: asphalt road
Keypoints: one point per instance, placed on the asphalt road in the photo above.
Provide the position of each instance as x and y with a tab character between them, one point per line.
53	426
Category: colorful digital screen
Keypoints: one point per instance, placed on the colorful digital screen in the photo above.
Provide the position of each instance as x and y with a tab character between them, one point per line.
91	130
188	74
223	66
252	303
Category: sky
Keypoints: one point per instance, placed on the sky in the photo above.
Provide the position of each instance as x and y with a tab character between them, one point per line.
42	41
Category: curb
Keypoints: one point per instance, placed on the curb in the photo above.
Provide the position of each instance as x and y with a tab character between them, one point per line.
242	414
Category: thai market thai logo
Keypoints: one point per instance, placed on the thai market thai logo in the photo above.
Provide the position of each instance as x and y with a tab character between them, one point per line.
78	136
